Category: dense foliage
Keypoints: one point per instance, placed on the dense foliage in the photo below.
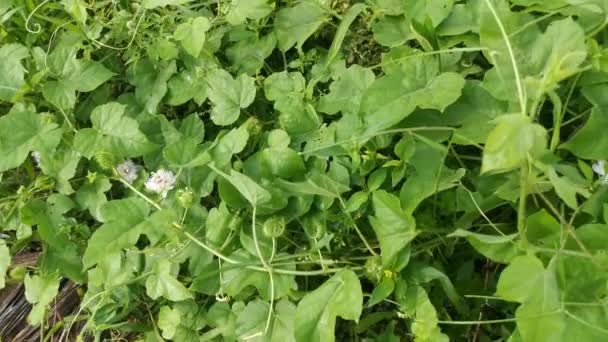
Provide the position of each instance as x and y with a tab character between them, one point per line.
309	170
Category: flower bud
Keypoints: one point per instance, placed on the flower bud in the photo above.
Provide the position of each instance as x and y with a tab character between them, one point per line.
185	198
274	226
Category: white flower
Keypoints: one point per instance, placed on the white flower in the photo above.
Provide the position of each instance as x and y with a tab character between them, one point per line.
36	157
599	167
161	182
128	170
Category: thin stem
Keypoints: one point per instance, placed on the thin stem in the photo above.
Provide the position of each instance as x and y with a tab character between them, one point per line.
481	212
498	321
492	321
255	239
67	119
354	225
569	228
261	269
557	119
520	89
130	41
144	197
523	195
210	249
270	309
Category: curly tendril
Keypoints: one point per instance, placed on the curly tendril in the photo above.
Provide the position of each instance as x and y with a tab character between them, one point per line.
36	26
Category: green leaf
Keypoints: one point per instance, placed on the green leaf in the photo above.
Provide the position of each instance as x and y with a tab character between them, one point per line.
356	201
566	188
85	77
392	98
396	28
11	70
425	328
558	54
543	59
229	144
162	283
376	178
420	273
5	262
501	153
223	319
431	176
89	75
247	55
519	281
229	96
76	8
543	301
500	80
473	113
60	164
60	93
218	225
284	321
124	221
316	313
392	31
543	229
241	10
187	85
286	89
186	153
394	228
193	127
92	196
381	291
113	132
390	7
251	191
22	132
62	60
61	253
168	321
192	318
590	142
150	4
40	291
150	81
347	91
498	248
252	320
462	19
191	34
294	25
434	10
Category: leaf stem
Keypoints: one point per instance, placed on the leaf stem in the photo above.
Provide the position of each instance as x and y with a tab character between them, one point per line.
354	225
521	211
